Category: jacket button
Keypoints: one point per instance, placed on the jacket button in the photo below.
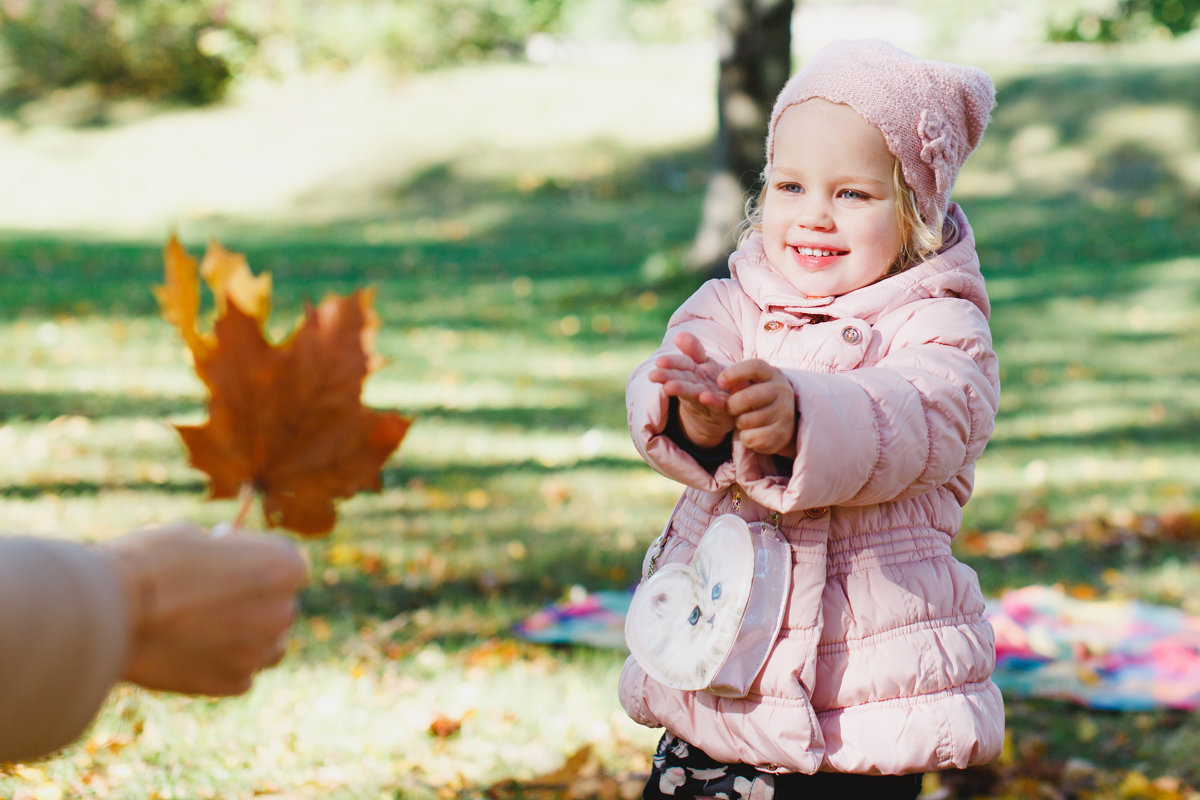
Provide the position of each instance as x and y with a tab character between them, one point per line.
851	335
773	325
816	513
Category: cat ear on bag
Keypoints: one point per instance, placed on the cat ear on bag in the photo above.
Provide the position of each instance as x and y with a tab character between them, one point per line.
661	601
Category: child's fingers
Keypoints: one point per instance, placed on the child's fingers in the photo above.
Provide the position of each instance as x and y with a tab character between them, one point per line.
690	346
746	372
756	396
684	390
714	400
666	375
765	415
765	440
662	375
675	361
760	419
685	386
673	367
684	379
701	395
765	432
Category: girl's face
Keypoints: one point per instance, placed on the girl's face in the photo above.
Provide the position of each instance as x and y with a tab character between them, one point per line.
829	215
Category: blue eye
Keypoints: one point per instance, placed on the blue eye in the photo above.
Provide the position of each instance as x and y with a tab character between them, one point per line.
695	617
717	591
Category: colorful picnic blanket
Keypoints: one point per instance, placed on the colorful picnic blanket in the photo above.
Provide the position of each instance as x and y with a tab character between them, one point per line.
1120	655
591	618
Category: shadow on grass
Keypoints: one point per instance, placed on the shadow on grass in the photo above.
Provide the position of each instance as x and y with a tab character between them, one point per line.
1177	434
1076	563
90	488
1130	203
453	476
459	473
1070	98
557	560
29	405
606	410
583	246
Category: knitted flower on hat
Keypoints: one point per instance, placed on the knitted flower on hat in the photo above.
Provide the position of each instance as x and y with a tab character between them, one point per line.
932	114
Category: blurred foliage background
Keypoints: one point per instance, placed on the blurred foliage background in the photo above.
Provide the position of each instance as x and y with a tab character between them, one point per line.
190	50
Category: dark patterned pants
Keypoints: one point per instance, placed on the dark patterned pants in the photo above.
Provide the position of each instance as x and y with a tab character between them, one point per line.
684	772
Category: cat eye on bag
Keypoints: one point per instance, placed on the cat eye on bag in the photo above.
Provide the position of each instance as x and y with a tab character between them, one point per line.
710	624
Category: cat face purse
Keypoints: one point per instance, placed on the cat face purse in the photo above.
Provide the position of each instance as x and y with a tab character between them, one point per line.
710	624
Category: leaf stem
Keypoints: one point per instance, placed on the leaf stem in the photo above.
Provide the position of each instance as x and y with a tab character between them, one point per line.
245	501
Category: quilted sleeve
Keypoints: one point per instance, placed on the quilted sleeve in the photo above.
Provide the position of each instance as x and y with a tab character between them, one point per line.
712	315
915	420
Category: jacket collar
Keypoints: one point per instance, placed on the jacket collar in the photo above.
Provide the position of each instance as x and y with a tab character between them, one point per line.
954	272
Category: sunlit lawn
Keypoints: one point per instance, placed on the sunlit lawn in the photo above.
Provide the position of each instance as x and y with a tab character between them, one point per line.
523	262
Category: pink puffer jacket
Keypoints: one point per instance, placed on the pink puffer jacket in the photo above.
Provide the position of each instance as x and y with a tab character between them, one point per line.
884	661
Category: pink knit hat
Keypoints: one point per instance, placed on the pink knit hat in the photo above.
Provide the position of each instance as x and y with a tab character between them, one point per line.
932	114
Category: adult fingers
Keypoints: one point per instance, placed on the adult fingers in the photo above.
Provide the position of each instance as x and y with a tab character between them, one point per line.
260	644
267	563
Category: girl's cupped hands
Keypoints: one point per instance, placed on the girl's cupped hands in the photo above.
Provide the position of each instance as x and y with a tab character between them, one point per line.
694	378
751	396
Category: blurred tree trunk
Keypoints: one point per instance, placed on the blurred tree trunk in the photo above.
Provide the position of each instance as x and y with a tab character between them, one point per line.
754	40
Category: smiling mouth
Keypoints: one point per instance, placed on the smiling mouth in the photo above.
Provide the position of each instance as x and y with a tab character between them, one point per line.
819	252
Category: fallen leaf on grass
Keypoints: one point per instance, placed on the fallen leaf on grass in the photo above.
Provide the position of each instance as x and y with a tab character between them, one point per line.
111	741
1180	526
581	777
494	654
443	727
285	421
1034	777
1036	531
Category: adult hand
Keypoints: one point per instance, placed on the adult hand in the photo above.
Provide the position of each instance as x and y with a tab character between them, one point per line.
692	376
763	404
206	613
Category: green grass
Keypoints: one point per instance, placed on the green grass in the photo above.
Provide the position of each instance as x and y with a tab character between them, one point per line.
521	275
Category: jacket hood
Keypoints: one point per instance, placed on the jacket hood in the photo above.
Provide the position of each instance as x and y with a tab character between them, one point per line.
953	272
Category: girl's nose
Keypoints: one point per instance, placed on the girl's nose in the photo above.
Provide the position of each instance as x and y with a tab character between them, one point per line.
814	215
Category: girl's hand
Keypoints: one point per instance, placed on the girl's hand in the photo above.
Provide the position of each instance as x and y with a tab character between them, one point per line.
763	405
692	376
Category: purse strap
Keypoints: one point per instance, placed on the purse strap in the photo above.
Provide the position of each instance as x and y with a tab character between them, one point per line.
775	518
659	544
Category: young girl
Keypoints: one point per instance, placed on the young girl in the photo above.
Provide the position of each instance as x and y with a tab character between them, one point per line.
841	383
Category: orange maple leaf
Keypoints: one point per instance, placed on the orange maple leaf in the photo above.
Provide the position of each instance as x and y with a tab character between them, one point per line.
285	421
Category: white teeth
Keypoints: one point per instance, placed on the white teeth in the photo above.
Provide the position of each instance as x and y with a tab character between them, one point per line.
813	251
